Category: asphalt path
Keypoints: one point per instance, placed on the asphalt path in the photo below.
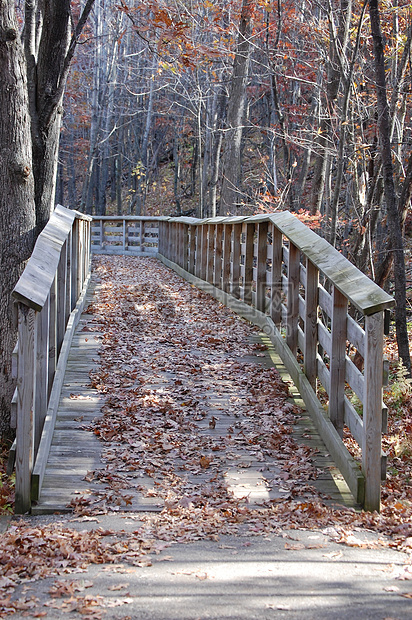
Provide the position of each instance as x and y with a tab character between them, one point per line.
296	574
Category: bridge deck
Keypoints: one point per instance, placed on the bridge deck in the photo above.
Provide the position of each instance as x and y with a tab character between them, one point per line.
83	470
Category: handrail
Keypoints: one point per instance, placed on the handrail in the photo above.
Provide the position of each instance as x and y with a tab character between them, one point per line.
303	293
271	269
124	234
49	297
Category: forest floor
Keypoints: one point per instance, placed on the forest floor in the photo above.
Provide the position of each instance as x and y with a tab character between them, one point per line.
155	325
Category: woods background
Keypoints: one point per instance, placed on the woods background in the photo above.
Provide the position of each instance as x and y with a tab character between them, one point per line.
210	107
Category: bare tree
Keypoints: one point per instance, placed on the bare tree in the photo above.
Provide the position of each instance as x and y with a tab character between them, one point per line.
394	219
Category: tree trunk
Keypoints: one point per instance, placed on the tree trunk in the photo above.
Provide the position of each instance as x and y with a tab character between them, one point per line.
49	51
231	196
16	191
394	220
338	45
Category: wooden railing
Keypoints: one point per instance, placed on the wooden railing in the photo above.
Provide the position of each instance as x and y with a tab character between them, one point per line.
318	310
49	298
316	307
132	235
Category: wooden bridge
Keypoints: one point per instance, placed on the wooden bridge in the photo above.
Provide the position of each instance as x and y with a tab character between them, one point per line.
313	305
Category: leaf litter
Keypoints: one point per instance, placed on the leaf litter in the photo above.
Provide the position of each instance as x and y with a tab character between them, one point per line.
184	402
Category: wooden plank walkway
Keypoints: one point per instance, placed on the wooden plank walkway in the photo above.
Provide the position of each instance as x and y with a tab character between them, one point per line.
76	451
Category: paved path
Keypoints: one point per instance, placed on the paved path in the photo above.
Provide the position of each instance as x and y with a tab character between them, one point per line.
296	575
224	572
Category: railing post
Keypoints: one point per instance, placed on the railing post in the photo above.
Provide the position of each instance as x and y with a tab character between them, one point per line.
337	360
166	245
217	279
261	265
61	297
210	257
179	245
185	245
202	253
80	259
372	409
74	263
192	248
276	256
68	277
236	254
227	244
102	237
25	385
248	230
142	234
41	347
124	239
311	323
293	298
52	333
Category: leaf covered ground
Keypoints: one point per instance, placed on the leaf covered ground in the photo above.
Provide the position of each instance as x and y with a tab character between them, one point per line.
186	401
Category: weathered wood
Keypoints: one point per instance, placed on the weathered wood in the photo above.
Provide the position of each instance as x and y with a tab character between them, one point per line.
142	229
226	250
372	409
293	298
217	266
46	291
192	248
235	266
344	461
41	348
355	379
24	431
323	373
75	265
210	253
276	277
50	419
124	235
311	322
290	311
261	265
248	231
61	297
68	293
356	335
353	421
324	338
337	360
325	301
185	245
362	292
52	334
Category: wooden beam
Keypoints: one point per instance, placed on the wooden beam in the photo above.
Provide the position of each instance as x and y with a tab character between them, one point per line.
261	265
372	409
217	267
276	255
24	431
293	298
337	361
248	230
311	323
236	252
